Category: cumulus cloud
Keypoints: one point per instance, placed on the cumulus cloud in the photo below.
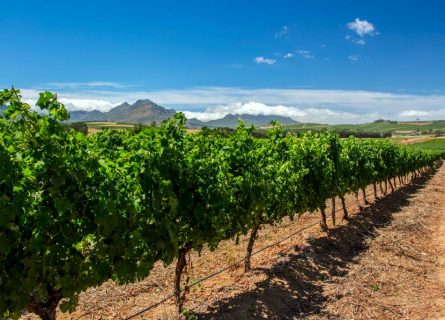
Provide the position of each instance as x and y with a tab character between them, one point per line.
87	104
282	32
362	27
257	108
288	55
262	60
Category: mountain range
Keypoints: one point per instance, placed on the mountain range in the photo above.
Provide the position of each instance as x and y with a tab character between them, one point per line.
146	111
142	111
231	121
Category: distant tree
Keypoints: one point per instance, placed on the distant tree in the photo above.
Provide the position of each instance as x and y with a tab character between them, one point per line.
138	127
77	126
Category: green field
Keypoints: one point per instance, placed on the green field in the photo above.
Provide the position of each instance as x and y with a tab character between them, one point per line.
367	127
434	144
376	127
108	125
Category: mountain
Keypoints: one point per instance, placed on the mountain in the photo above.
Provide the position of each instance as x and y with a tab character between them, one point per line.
195	123
142	111
231	121
94	115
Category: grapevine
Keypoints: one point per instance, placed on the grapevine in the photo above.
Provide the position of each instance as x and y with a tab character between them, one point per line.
76	210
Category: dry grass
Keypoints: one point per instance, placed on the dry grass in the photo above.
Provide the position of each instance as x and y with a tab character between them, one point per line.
93	130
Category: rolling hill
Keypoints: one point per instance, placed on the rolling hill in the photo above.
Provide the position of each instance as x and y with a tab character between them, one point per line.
376	127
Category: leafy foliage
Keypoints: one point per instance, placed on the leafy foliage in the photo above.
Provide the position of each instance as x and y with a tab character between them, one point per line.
78	210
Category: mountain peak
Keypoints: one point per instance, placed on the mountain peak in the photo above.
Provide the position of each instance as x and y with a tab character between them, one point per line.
143	102
146	104
142	111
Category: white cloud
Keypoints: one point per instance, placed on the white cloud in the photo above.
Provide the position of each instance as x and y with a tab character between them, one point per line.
304	104
288	55
74	100
87	104
362	27
305	54
422	114
255	108
282	32
92	84
414	113
262	60
359	41
354	57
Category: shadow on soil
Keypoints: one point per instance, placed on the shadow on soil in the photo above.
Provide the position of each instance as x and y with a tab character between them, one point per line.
294	285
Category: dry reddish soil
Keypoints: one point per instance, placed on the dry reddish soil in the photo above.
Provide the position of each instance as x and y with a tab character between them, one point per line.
386	262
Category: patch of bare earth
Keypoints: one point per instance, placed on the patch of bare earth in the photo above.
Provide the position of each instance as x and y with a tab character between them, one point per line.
386	262
401	273
417	139
93	130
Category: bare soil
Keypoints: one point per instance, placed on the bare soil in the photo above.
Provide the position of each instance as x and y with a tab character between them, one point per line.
386	262
401	274
412	140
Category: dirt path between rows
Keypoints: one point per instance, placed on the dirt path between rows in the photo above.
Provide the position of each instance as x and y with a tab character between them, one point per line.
401	275
439	239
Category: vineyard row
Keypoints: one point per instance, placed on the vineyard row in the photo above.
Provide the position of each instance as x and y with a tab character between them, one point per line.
76	210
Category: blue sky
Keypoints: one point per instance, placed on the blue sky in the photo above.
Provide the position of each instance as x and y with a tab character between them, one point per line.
314	60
